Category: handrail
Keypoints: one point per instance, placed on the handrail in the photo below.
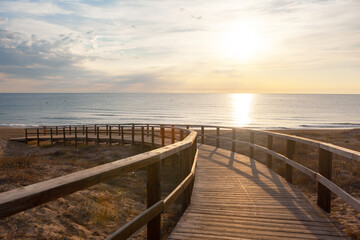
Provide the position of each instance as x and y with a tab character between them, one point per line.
345	152
323	177
20	199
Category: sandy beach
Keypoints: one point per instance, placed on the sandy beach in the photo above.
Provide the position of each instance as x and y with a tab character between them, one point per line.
86	214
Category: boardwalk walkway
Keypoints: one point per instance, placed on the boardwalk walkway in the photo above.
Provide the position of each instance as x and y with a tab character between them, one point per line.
235	197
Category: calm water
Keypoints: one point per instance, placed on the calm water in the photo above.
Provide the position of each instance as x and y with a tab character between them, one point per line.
244	110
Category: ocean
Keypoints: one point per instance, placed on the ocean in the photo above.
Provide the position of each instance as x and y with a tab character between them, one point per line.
264	111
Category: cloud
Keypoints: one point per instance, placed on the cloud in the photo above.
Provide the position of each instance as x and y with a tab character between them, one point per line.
50	65
32	8
3	20
114	45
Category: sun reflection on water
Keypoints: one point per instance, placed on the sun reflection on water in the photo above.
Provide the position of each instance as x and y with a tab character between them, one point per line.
241	106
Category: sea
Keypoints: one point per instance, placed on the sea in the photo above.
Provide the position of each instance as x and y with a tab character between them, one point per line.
262	111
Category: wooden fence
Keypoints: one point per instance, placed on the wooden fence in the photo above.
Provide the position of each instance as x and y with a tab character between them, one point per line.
21	199
326	150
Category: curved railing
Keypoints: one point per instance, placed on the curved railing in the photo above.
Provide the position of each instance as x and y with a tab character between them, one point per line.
323	177
24	198
172	133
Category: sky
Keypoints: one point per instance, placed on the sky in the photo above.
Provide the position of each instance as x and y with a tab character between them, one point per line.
257	46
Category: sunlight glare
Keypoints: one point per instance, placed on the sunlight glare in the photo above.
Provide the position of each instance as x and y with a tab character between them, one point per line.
242	41
241	103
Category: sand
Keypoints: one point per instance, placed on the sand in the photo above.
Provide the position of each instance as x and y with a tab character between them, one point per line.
93	213
84	214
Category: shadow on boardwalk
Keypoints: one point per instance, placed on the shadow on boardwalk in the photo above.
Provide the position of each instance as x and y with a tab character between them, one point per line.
237	197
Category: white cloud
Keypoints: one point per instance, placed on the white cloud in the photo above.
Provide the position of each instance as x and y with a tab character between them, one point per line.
127	38
42	8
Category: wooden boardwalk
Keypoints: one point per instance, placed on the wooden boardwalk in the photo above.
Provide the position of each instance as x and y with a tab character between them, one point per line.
235	197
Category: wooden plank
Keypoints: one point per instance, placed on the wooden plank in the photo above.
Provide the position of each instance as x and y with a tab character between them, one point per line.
51	136
233	138
178	191
152	138
110	137
325	169
33	195
290	150
64	137
251	147
138	222
37	137
348	153
172	134
162	133
246	200
352	201
153	196
268	156
26	135
76	140
202	134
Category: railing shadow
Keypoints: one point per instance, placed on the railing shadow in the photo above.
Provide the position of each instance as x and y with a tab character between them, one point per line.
259	173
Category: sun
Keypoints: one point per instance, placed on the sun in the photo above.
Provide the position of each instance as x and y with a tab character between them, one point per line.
242	41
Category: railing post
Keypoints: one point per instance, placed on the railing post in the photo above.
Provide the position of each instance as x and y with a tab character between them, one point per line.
202	134
37	137
187	126
153	196
185	156
69	129
107	130
188	160
181	135
325	169
51	136
119	129
162	133
95	128
251	148
64	138
270	147
26	135
233	138
86	136
56	130
110	135
122	135
152	138
172	134
97	135
142	137
290	150
133	134
194	149
217	137
76	142
147	129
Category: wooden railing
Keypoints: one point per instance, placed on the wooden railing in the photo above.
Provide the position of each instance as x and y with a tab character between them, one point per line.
21	199
326	150
18	200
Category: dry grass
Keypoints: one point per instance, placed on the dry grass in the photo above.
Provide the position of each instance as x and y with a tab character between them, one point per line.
93	213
